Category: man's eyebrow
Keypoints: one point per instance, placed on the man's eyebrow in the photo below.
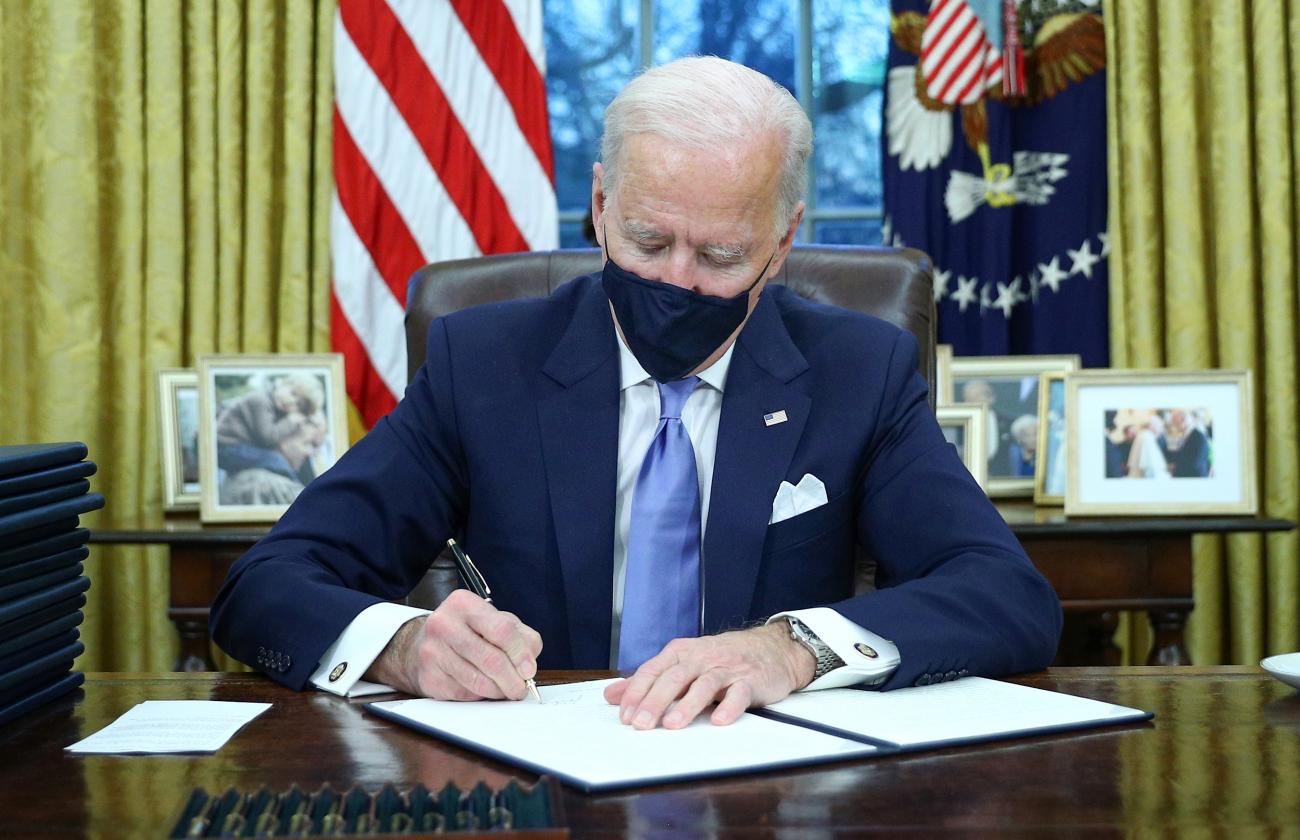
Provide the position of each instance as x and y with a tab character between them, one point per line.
641	233
724	253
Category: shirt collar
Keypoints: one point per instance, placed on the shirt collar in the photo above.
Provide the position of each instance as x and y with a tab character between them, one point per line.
631	373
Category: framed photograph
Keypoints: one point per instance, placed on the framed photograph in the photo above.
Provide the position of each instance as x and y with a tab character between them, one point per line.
268	425
178	429
1008	387
943	374
1049	467
963	427
1164	441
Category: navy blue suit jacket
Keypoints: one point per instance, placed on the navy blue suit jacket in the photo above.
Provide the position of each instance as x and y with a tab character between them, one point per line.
507	438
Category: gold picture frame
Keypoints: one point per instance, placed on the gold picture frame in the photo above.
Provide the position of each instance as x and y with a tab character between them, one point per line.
965	422
178	433
1051	464
268	424
943	374
1177	442
1008	386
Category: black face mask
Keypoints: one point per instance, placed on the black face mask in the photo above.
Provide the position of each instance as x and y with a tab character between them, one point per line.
671	330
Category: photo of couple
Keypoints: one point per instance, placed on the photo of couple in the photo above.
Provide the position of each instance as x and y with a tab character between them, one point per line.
1159	443
272	435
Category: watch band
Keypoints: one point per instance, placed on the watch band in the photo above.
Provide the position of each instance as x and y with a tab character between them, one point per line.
827	659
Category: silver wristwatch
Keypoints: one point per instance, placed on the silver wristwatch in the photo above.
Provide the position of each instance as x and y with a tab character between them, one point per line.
827	659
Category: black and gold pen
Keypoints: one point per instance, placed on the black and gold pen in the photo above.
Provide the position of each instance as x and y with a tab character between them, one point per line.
469	573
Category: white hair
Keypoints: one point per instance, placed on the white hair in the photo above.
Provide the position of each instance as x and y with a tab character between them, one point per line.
705	102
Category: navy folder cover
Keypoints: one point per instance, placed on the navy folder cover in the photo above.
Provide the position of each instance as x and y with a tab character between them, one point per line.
39	583
29	622
20	540
28	519
42	565
44	496
14	683
20	608
49	630
45	647
46	546
27	482
41	695
30	457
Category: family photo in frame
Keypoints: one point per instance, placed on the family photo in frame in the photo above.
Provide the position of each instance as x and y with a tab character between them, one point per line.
1172	442
963	426
1008	388
268	425
178	427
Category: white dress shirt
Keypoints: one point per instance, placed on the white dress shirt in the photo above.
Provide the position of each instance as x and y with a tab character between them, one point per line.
638	418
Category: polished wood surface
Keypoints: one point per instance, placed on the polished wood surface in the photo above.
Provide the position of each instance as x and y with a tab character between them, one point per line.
1099	566
1222	758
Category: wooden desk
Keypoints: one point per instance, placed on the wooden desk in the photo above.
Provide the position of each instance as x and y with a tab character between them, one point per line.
1220	759
1098	566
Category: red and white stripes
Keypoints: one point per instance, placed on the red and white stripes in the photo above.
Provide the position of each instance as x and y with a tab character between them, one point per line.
957	58
441	151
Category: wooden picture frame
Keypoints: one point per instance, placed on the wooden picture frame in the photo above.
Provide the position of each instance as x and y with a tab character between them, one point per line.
1008	385
1051	465
963	426
178	433
1179	442
268	424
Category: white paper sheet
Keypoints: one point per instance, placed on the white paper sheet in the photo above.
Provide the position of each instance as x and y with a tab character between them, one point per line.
961	710
575	733
171	726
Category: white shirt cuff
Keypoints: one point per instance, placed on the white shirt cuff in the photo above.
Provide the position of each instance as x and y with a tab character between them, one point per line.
360	643
868	659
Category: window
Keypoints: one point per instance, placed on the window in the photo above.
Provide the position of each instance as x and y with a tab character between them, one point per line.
829	53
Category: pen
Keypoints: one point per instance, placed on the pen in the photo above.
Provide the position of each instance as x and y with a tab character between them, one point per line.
474	580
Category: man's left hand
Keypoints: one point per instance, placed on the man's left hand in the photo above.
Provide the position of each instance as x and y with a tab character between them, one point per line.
736	670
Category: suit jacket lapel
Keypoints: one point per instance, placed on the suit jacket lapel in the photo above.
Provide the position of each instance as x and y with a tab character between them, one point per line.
751	461
579	429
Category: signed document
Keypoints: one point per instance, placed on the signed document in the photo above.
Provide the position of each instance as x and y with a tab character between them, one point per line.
575	735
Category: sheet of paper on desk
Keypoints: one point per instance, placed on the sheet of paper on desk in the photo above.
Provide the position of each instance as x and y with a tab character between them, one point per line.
171	726
963	710
576	735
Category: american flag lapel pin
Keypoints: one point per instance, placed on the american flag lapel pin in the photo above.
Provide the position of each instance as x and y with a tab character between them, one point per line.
774	418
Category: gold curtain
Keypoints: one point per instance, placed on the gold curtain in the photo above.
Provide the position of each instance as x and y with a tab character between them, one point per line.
1203	115
164	192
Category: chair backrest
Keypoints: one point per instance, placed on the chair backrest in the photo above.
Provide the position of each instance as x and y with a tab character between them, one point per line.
893	284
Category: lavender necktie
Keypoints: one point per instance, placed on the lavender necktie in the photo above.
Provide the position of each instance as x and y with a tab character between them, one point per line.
661	590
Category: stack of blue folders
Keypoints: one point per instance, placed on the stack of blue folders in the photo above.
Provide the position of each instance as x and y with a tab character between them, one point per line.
43	489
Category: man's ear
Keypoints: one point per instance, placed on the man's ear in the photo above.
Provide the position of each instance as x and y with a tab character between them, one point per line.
787	241
598	201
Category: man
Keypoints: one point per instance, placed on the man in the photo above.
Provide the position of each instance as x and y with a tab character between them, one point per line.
653	455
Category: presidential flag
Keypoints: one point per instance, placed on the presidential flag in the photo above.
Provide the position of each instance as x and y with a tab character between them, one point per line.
441	151
994	163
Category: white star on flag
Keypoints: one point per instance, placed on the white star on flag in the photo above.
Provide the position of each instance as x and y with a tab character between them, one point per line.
1034	285
965	294
1007	294
1104	239
1052	275
941	284
985	300
1083	259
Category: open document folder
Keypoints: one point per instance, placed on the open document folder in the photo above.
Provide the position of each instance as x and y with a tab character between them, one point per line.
576	736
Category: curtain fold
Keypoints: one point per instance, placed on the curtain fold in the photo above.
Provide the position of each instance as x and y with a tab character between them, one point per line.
1203	115
165	193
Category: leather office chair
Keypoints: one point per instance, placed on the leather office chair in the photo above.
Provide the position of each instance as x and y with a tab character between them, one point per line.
890	283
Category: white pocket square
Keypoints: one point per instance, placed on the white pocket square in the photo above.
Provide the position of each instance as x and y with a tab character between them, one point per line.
792	500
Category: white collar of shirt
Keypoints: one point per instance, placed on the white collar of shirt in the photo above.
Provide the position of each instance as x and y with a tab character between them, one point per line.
631	373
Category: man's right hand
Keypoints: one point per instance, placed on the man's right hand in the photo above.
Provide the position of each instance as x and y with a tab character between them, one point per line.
466	649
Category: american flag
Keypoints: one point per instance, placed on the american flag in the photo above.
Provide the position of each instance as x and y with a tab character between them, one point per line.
959	60
441	151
